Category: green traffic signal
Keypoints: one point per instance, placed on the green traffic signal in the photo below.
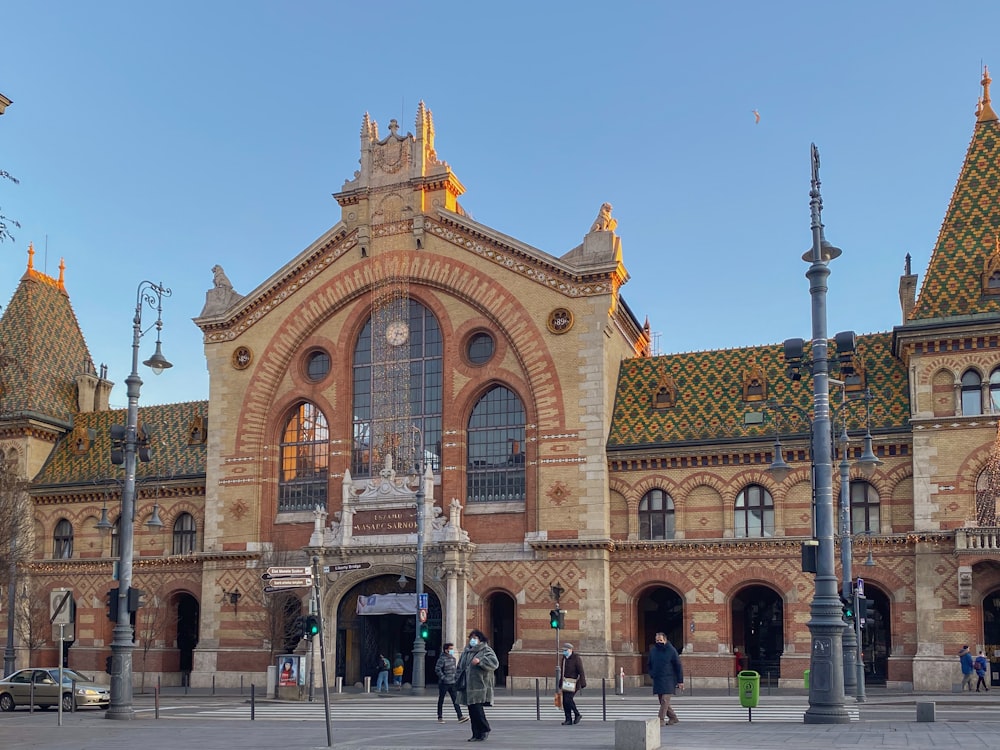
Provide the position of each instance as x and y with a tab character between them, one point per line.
424	630
310	626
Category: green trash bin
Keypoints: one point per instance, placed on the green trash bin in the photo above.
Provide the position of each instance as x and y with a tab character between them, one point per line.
749	688
805	678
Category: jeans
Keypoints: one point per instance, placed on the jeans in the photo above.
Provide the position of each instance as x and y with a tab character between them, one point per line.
383	679
477	714
449	689
569	705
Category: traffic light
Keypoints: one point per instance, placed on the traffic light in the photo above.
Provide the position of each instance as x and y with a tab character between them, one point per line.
299	627
864	607
848	606
107	664
556	619
310	626
111	601
136	599
424	631
117	444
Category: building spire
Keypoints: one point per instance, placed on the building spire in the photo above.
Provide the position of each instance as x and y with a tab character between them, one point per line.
985	112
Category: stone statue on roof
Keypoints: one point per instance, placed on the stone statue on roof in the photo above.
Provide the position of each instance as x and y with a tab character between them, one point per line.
604	222
221	296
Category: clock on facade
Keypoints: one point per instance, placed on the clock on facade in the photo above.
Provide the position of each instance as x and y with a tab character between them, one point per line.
397	332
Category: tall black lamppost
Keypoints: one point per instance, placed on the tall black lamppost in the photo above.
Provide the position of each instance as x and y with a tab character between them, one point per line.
122	643
419	647
826	624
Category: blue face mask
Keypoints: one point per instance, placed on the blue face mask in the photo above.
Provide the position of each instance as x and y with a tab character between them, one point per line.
473	641
567	653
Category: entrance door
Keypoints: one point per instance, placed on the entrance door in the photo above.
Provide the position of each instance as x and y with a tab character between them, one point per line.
759	630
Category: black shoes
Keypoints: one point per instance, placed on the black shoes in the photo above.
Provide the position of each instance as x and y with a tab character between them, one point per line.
567	723
577	719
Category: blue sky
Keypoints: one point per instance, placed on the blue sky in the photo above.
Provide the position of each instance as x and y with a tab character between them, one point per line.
154	140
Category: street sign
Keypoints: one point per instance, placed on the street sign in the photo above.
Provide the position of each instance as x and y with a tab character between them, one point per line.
423	615
422	601
59	607
346	566
279	572
287	583
861	587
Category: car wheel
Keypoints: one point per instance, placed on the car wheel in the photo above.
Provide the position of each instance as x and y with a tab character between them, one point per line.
6	702
67	702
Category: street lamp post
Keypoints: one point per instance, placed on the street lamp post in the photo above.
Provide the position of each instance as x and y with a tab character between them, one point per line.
122	642
850	644
826	625
419	647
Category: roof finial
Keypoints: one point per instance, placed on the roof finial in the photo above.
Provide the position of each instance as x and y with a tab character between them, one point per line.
31	256
986	113
62	274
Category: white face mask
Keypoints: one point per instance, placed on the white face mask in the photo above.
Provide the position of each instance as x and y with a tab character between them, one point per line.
473	641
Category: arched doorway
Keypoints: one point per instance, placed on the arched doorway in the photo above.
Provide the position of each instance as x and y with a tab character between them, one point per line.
660	610
187	634
759	630
876	636
361	638
991	631
502	619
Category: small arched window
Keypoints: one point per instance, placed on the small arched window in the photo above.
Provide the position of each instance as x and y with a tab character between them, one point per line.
754	516
305	456
185	534
972	393
62	540
864	508
656	515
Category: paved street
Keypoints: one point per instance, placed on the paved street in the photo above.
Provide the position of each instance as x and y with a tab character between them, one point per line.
715	721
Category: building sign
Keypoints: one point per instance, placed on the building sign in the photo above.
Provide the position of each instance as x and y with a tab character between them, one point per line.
397	521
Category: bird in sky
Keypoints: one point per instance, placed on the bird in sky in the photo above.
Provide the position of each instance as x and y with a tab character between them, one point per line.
756	117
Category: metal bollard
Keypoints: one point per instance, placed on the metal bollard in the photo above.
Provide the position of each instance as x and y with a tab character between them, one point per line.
72	708
368	683
213	684
621	682
538	701
252	698
241	684
156	700
340	683
604	699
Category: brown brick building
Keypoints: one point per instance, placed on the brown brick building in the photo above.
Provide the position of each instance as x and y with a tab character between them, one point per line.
412	341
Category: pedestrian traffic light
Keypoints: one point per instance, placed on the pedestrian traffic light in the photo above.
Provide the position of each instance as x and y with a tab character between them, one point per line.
848	606
864	607
136	599
310	626
111	601
556	619
424	631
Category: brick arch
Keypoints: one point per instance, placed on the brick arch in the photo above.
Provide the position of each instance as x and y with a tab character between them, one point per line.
656	482
931	367
754	574
459	280
643	580
972	466
702	479
624	489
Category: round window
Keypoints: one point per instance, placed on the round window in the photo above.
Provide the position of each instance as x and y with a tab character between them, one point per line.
481	347
317	365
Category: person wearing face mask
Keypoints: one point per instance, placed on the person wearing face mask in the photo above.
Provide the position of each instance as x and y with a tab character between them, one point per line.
572	671
668	676
445	671
475	682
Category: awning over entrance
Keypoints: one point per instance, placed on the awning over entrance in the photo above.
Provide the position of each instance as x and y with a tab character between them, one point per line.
387	604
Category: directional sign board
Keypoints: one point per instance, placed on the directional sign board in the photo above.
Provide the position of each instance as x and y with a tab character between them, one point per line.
422	601
861	587
346	566
281	584
284	572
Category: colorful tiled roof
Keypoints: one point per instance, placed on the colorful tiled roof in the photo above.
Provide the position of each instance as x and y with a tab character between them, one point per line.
953	282
709	395
43	349
172	451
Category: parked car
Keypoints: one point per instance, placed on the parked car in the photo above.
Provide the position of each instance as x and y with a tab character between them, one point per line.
17	689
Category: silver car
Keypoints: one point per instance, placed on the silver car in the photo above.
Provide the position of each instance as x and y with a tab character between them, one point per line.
41	685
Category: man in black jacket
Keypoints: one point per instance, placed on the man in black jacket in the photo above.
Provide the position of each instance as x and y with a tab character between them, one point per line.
572	670
668	676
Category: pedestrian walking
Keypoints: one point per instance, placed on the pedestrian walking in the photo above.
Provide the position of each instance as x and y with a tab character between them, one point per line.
668	676
445	669
383	674
968	670
474	682
980	665
397	670
573	681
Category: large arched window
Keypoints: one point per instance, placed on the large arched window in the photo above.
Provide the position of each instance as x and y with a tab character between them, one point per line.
305	455
972	393
864	508
754	514
656	515
185	534
995	391
62	540
495	466
425	389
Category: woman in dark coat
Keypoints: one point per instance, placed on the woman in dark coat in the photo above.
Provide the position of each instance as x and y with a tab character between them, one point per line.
572	668
668	676
475	682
